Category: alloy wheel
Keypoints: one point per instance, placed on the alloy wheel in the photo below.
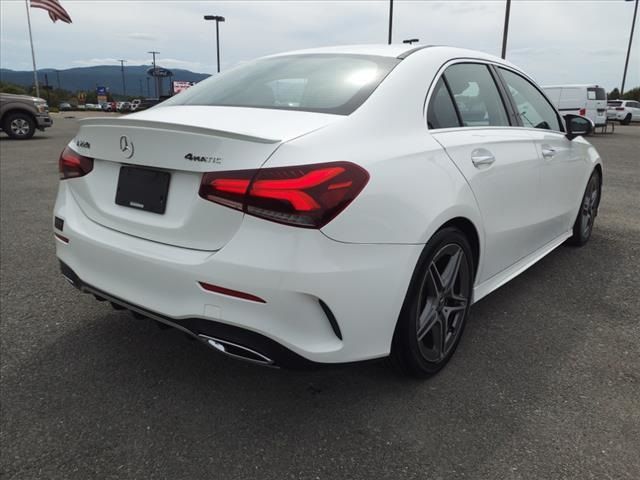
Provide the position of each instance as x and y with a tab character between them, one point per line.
442	303
590	206
20	127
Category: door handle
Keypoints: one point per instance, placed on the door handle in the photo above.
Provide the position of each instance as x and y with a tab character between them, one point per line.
482	157
548	151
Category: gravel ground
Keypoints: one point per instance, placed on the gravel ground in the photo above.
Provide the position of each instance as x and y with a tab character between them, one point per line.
545	383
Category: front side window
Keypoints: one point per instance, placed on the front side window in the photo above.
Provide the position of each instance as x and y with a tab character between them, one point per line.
326	83
476	95
534	110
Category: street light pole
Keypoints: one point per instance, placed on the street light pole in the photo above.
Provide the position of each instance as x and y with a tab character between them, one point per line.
390	19
626	63
124	88
155	79
217	19
505	33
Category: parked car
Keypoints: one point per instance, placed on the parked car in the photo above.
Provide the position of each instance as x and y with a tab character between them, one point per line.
65	107
356	217
147	103
626	111
124	107
586	100
110	107
22	115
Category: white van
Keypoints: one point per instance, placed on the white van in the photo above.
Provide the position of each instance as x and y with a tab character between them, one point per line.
587	100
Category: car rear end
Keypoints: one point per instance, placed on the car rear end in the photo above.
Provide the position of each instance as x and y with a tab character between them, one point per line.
597	105
616	110
182	213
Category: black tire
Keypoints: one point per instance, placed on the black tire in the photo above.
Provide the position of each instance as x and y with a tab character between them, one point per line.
19	126
626	120
583	226
419	349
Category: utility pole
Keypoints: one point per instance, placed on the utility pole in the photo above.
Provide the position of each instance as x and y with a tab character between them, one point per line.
140	82
124	88
626	63
390	19
217	19
506	29
148	89
155	79
58	78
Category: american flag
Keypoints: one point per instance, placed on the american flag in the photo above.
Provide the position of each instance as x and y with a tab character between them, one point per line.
56	12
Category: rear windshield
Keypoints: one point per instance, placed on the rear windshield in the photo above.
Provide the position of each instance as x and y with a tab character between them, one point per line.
614	104
596	93
325	83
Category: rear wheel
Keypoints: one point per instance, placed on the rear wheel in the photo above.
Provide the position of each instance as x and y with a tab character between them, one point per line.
436	307
583	225
626	120
20	126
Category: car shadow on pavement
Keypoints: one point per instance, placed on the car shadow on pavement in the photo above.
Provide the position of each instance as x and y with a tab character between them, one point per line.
115	389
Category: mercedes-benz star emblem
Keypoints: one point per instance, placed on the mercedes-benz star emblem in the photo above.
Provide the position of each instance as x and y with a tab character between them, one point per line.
126	146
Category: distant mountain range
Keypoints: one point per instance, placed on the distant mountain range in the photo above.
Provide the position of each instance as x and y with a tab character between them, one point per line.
88	78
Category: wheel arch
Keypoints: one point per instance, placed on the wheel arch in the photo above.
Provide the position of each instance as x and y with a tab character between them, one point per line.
470	231
15	110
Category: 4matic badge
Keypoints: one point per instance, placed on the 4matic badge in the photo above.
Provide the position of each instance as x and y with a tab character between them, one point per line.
203	158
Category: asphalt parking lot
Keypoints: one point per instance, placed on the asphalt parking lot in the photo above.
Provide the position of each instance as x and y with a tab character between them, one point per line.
545	383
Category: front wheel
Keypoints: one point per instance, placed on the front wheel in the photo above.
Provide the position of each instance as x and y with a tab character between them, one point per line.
436	307
583	226
19	126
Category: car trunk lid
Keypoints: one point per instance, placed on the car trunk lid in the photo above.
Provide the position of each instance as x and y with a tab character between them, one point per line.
183	142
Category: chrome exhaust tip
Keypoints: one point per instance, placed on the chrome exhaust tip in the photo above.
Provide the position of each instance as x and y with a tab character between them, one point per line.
236	351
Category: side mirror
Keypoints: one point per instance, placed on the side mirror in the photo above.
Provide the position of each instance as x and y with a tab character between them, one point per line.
577	126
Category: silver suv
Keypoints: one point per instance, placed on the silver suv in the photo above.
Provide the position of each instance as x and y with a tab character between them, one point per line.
21	115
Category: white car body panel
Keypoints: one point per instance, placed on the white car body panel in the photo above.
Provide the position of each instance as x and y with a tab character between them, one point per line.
360	264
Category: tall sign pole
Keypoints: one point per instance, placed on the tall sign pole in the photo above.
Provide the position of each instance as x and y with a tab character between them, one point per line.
626	63
33	54
390	19
505	33
155	79
124	87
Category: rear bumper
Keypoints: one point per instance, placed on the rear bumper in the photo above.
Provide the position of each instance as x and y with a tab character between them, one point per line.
295	271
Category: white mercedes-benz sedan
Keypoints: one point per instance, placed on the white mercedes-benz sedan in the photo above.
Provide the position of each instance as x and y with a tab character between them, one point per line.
327	206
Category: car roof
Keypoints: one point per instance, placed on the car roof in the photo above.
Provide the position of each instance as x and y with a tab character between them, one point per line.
583	85
396	50
381	50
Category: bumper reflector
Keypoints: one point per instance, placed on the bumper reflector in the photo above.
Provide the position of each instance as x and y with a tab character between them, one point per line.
231	293
62	238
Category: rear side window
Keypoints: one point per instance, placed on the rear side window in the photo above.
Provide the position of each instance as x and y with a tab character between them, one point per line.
596	93
476	95
534	110
441	112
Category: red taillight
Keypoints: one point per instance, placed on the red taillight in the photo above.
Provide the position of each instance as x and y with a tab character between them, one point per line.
582	112
73	165
307	196
620	109
230	293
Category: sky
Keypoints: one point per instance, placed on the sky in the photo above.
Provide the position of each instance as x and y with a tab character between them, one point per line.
555	41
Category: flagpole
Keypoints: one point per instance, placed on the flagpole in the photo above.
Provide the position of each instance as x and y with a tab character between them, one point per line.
33	55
